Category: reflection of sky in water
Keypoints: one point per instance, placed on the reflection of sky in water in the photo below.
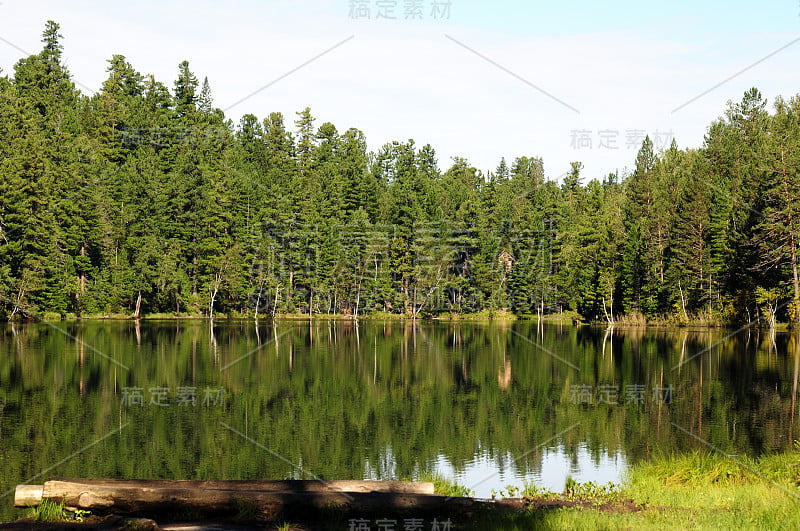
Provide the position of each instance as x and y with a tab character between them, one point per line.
484	474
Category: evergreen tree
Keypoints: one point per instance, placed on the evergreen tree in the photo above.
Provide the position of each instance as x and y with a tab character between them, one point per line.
137	200
186	97
777	235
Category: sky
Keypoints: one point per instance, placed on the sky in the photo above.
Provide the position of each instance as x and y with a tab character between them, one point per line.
565	81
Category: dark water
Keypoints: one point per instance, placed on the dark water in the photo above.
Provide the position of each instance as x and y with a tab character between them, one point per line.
487	404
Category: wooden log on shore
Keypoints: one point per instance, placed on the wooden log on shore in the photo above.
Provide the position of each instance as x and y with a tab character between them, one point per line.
28	495
287	485
139	499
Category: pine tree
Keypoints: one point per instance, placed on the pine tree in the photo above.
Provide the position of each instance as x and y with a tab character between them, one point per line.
360	189
638	280
693	270
136	200
777	235
186	97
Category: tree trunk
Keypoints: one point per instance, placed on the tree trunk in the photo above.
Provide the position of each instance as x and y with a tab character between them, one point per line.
608	317
275	302
796	373
358	299
223	496
258	299
211	303
28	495
19	298
795	280
288	485
82	278
683	303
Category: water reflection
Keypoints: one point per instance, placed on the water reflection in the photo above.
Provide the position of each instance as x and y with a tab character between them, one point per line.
510	402
488	472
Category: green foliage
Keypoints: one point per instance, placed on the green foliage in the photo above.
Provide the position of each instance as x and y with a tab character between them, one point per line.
699	469
511	491
50	511
142	198
591	490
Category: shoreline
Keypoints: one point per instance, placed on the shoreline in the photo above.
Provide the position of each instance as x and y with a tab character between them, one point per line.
698	489
480	317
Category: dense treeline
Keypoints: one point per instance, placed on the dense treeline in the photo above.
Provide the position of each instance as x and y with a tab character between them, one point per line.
138	199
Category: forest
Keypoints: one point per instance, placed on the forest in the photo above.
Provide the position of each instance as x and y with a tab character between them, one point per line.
145	200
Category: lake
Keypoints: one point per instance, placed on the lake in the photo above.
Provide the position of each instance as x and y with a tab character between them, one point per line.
487	404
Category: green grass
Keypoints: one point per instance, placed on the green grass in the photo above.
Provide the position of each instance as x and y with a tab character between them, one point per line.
566	315
49	511
698	491
483	315
713	491
446	487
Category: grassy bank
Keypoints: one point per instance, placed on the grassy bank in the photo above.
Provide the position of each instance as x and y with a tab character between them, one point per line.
632	320
487	315
698	491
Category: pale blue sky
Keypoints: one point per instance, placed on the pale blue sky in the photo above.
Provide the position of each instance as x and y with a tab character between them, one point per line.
683	16
624	65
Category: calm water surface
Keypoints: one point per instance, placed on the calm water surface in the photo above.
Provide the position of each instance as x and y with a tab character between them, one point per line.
485	404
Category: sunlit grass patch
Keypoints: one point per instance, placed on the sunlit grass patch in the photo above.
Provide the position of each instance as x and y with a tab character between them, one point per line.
446	487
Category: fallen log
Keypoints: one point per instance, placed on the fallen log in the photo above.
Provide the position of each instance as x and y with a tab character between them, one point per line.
284	485
153	499
31	495
28	495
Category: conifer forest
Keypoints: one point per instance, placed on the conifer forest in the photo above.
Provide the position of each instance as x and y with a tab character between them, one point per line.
144	199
